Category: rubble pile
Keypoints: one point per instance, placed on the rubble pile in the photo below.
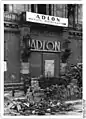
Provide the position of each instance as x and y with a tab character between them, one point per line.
49	101
73	76
75	72
43	107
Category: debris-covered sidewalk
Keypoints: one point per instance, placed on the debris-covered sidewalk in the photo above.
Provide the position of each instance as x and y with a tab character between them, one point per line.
22	105
46	98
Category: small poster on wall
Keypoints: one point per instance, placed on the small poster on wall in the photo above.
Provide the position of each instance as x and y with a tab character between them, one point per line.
25	68
5	66
49	68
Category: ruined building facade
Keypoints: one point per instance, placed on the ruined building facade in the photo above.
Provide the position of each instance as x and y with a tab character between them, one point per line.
36	62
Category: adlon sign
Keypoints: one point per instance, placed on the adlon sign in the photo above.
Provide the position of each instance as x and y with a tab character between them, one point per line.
49	46
46	19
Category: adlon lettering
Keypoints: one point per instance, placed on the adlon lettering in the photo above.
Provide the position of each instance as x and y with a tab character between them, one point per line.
49	18
44	45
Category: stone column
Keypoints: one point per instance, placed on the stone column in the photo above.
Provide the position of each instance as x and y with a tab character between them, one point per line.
29	7
26	7
47	9
36	8
25	64
52	9
24	30
64	45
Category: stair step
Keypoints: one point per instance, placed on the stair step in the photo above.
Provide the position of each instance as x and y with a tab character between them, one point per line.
15	86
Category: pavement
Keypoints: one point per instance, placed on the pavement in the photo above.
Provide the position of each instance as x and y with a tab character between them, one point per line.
77	105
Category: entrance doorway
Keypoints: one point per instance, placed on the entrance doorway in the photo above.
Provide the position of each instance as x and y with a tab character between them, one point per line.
46	64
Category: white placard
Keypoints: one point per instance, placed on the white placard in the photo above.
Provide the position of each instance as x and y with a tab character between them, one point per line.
24	68
49	68
46	19
5	66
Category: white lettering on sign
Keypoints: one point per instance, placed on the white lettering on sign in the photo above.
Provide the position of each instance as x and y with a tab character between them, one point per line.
38	44
46	19
50	43
44	45
33	45
57	46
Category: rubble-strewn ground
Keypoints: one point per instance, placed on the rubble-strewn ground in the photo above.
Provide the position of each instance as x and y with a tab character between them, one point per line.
51	96
19	105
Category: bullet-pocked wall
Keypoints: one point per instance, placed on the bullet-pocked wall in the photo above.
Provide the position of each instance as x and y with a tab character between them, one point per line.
76	54
12	55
